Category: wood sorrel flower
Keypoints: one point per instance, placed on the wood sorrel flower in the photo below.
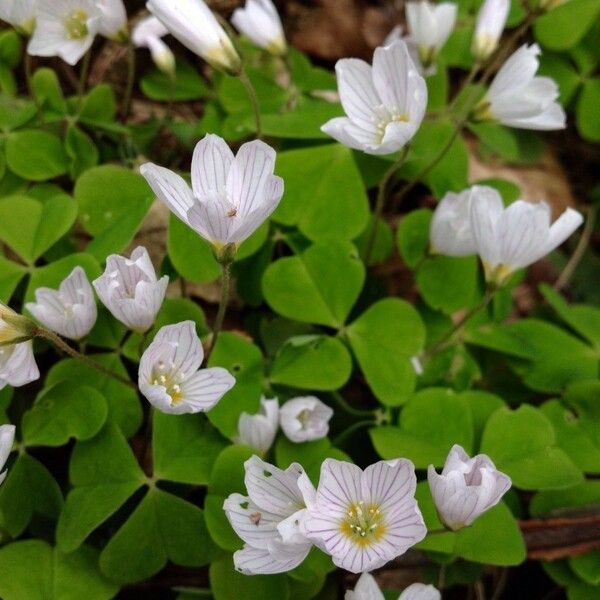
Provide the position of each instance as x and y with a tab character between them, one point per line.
430	26
268	519
170	376
197	28
130	290
64	28
231	196
489	27
365	518
367	589
512	238
517	98
17	365
260	22
113	20
466	488
20	14
147	34
258	431
70	310
384	104
305	419
7	438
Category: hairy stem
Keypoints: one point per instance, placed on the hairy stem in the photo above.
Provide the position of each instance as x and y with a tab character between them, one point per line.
83	77
243	77
225	291
64	347
126	106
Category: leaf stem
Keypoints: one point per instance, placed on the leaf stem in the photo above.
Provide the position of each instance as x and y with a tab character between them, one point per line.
380	203
225	291
342	437
245	80
341	402
62	345
126	106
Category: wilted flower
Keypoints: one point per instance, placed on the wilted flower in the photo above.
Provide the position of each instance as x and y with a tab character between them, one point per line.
430	26
260	22
365	518
197	28
231	196
17	365
170	376
147	34
367	589
517	98
512	238
258	431
305	419
268	519
113	20
7	437
70	310
384	104
466	488
130	290
489	27
20	14
450	230
64	28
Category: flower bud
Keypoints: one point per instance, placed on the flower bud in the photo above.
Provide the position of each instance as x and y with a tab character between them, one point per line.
488	29
14	328
258	431
260	22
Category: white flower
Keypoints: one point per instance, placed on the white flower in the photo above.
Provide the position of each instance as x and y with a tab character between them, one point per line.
305	419
489	27
197	28
113	19
517	98
19	13
260	22
130	290
147	34
466	488
384	104
367	589
170	376
7	437
512	238
365	518
268	519
258	431
70	310
64	28
17	365
450	230
231	196
430	26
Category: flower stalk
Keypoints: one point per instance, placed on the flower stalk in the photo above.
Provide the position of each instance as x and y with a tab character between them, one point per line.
224	301
245	80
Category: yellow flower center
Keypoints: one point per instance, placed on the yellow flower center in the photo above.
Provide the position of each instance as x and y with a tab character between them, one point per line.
76	24
170	380
364	524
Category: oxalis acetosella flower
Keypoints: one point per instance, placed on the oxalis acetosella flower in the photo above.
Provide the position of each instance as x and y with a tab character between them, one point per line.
364	519
506	239
305	419
491	20
429	27
260	22
466	488
384	103
130	289
113	20
517	98
231	196
17	365
69	311
148	33
170	377
268	518
65	28
367	589
7	438
197	28
21	14
259	430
